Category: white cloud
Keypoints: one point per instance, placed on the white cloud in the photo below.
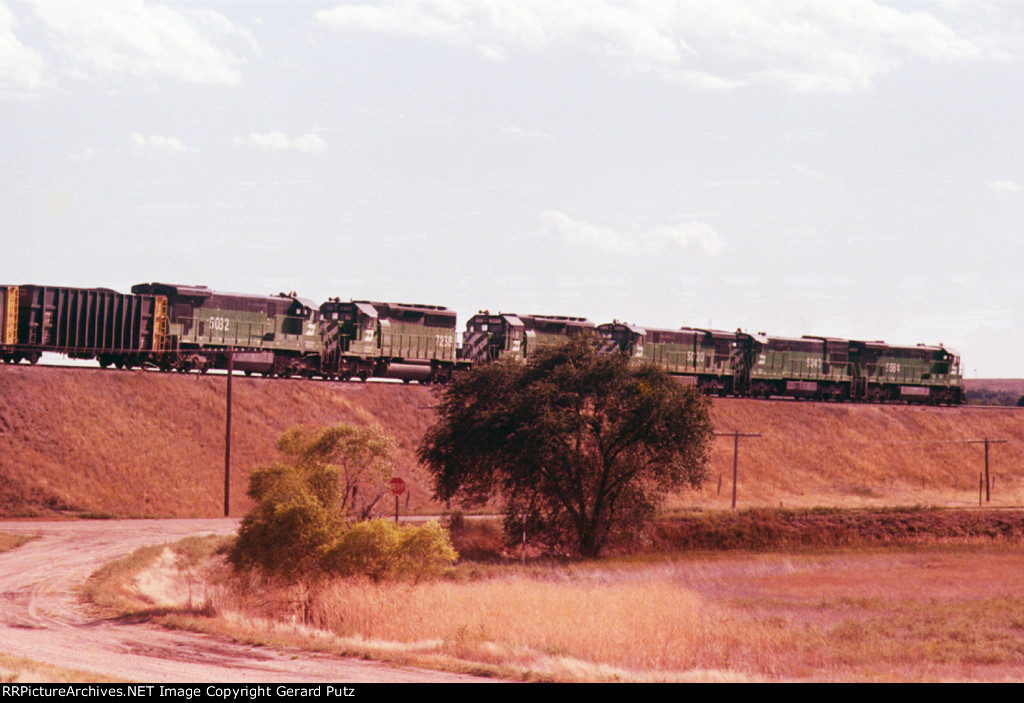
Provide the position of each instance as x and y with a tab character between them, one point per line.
805	44
21	68
158	143
1009	187
703	235
84	154
279	141
681	235
272	140
136	38
808	172
310	143
554	222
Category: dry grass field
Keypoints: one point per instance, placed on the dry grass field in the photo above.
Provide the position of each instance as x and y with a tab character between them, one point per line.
147	444
934	612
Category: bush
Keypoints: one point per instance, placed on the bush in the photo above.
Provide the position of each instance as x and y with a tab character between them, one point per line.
382	550
300	527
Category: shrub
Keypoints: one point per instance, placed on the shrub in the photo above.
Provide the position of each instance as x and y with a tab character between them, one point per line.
382	550
300	527
292	523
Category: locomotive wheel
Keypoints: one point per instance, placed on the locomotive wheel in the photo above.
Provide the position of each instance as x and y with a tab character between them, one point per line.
33	358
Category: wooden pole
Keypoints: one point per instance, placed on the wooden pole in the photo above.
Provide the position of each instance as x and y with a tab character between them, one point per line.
986	480
988	486
736	434
227	437
735	465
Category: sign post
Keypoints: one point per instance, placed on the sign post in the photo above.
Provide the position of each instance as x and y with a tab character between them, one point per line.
397	488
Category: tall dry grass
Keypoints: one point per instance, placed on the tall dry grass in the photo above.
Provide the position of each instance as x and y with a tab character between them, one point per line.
917	615
929	613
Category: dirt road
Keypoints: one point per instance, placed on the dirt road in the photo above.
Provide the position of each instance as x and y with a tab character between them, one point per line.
41	619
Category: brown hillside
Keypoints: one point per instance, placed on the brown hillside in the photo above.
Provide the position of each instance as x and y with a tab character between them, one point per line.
142	443
139	443
824	454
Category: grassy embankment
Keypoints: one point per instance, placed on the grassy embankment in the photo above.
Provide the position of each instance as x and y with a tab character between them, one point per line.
148	444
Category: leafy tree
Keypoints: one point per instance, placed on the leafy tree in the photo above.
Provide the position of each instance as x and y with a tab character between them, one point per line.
584	444
293	522
358	459
301	526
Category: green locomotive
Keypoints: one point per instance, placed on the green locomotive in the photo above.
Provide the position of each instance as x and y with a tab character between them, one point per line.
820	368
707	358
388	340
277	335
491	337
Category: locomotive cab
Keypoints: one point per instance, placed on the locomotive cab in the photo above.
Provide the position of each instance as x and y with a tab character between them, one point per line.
622	337
491	337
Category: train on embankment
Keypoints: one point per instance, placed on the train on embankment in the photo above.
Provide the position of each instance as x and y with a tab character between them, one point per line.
192	328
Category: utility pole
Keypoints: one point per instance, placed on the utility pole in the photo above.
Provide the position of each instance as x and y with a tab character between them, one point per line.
736	434
988	482
227	437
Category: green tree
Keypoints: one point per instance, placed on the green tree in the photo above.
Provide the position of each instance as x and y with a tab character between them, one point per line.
302	525
303	504
358	460
584	444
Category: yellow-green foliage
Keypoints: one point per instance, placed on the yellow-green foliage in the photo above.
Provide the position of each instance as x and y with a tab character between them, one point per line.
382	550
300	528
292	523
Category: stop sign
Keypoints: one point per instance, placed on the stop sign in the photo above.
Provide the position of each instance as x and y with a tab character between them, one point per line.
397	486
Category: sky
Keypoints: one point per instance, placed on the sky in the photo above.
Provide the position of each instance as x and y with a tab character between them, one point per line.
847	168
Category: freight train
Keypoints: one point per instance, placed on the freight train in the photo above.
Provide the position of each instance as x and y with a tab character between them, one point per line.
192	328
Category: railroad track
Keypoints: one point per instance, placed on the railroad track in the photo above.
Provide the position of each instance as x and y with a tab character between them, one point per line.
94	367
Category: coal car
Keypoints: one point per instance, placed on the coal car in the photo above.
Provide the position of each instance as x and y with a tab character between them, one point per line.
81	323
